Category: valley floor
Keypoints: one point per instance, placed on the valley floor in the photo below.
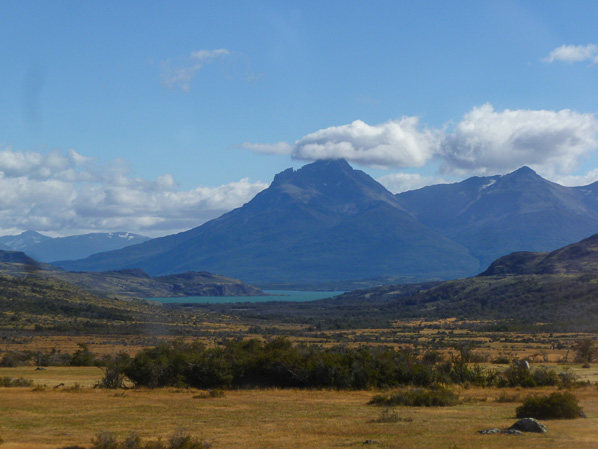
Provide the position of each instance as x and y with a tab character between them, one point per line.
52	418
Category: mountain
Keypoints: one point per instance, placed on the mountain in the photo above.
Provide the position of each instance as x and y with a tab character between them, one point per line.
325	221
22	241
494	216
48	249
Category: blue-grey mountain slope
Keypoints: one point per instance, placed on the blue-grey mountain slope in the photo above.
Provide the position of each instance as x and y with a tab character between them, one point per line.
494	216
325	221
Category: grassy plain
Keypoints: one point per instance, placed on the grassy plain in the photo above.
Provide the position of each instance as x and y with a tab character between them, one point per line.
73	414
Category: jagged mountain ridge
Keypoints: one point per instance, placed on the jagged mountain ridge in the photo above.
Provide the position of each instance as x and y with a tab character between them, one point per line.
494	216
325	221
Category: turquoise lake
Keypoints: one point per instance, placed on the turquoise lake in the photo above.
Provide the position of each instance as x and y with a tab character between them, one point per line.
275	295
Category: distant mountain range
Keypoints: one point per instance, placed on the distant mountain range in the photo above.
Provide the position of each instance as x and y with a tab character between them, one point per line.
329	222
47	249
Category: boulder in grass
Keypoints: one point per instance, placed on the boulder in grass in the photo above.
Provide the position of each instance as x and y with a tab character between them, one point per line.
490	431
510	431
529	425
497	430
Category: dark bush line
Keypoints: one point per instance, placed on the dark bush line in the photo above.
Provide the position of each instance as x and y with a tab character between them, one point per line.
20	382
279	363
418	397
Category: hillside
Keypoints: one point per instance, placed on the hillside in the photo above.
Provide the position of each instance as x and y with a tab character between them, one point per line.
32	303
138	284
128	283
560	287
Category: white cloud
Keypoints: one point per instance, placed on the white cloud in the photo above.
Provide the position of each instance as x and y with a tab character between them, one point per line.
484	142
68	194
398	143
268	148
490	142
178	73
576	180
402	182
574	53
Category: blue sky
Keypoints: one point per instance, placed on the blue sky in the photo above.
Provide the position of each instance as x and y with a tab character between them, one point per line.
154	117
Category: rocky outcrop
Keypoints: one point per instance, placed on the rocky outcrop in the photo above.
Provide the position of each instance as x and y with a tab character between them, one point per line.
529	425
519	428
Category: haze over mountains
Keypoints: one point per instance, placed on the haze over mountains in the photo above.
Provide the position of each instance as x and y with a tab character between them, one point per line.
47	249
327	221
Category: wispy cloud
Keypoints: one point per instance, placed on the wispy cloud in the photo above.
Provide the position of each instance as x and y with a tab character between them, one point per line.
268	148
402	182
67	193
179	72
574	53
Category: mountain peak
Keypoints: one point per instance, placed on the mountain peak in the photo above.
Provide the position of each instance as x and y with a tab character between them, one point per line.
522	178
330	183
525	170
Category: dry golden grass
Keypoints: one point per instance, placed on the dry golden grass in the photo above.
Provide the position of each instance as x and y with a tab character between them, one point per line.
268	419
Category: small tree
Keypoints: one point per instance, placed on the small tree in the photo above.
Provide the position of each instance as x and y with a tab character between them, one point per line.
585	350
83	356
114	376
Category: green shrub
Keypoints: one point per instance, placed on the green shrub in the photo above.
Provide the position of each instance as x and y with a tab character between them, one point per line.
418	397
505	397
180	440
104	440
113	371
388	416
556	406
210	394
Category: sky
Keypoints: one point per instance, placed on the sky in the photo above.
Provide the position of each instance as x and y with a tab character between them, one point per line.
154	117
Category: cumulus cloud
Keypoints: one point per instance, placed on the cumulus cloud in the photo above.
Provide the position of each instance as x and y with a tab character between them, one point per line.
398	143
489	142
179	72
574	53
69	194
402	182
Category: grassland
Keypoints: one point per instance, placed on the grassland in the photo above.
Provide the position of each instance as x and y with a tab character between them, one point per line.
51	417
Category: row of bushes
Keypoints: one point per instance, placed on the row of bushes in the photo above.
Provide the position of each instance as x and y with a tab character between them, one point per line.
279	363
81	357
